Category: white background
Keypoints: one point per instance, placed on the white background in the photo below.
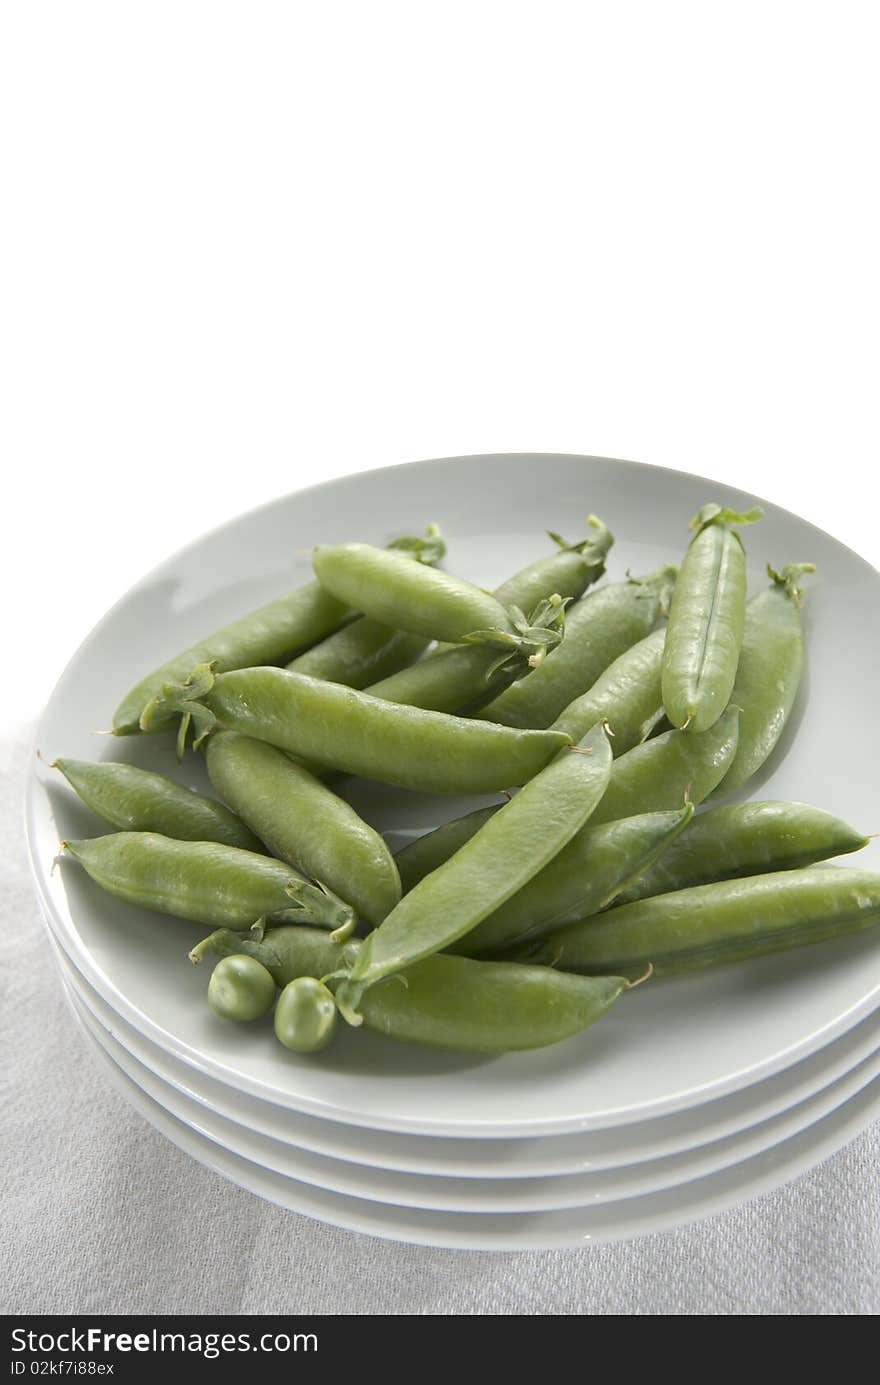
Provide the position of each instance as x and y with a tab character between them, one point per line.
251	246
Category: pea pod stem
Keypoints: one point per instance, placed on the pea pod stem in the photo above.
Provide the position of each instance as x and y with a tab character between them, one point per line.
787	578
536	634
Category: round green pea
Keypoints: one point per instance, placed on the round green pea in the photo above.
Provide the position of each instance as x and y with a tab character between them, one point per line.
305	1016
241	988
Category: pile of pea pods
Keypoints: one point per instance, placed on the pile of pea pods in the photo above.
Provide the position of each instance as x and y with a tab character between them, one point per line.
601	716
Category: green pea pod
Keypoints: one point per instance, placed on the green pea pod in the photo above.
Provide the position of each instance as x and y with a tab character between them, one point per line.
443	1002
745	839
269	635
597	631
585	877
205	882
352	731
651	778
286	951
419	857
304	822
506	852
657	776
360	654
729	921
426	601
771	665
458	677
137	800
626	696
429	602
706	620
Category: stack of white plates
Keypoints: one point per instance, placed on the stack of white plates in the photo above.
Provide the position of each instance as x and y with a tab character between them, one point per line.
690	1096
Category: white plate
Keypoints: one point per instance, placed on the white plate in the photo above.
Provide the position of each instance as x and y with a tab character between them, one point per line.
575	1226
478	1195
666	1047
513	1159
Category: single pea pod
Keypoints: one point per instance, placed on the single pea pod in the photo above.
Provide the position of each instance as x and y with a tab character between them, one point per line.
659	774
456	678
447	1002
746	839
515	843
206	882
729	921
771	664
429	602
654	777
340	728
706	620
626	696
137	800
569	570
585	877
360	654
598	630
304	822
271	634
419	857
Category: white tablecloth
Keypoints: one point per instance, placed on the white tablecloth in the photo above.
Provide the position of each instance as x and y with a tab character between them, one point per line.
102	1215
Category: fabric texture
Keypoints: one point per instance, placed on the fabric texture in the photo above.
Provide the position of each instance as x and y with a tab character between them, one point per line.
103	1215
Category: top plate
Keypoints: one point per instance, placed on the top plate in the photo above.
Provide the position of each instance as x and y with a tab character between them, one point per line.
669	1046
